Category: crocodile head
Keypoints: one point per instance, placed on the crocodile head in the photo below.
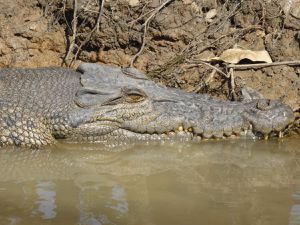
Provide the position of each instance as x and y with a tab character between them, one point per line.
121	105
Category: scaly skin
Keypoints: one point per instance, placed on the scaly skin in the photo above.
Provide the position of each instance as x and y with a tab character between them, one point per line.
110	105
35	105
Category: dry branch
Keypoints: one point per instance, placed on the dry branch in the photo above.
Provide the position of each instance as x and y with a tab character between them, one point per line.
74	30
74	33
206	82
209	65
261	65
100	15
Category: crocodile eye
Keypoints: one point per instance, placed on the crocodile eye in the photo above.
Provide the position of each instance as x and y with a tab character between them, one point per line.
132	98
133	95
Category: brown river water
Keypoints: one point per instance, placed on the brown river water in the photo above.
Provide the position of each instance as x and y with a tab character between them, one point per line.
232	182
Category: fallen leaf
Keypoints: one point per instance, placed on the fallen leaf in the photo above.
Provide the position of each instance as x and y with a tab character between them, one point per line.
235	55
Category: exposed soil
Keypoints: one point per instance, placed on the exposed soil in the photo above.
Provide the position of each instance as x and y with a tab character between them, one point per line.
35	33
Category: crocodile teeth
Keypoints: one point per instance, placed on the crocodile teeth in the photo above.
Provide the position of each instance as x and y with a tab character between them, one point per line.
266	137
171	133
250	127
190	129
180	128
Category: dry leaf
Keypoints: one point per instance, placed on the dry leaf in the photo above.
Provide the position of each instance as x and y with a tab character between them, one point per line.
235	55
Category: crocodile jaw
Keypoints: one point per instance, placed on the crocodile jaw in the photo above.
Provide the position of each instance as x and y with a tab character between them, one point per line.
169	120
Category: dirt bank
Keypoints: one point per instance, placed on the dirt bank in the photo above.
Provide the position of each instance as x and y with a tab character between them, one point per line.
177	37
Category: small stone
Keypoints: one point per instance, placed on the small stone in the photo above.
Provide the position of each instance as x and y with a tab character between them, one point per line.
195	7
133	2
33	27
187	2
210	15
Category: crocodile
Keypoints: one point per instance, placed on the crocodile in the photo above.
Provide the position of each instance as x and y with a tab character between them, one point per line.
105	104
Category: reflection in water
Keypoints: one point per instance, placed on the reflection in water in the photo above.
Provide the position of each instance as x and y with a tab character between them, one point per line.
295	211
46	199
120	204
214	182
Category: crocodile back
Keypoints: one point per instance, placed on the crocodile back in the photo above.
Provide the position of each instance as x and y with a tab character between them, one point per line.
35	104
43	90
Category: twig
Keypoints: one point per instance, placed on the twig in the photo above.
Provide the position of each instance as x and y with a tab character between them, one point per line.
89	35
211	44
232	84
263	11
100	14
74	22
231	14
82	11
89	10
260	65
141	15
185	53
205	83
145	30
74	31
64	13
209	65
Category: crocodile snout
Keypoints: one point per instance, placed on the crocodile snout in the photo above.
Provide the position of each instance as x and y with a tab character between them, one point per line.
269	116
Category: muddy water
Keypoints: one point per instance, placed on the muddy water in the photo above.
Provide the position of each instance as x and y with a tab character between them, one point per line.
218	182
